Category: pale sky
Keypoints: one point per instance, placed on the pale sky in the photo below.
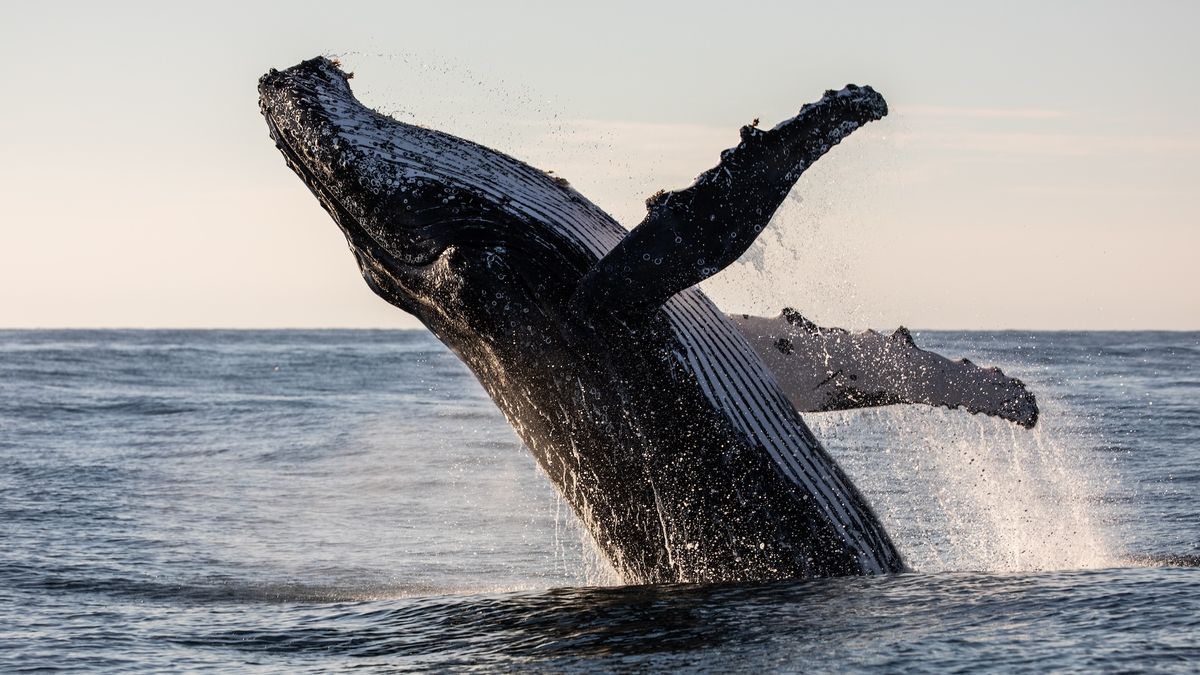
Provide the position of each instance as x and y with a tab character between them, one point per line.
1039	168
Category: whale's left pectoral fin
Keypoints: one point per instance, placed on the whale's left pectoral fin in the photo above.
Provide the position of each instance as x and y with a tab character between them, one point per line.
824	369
691	234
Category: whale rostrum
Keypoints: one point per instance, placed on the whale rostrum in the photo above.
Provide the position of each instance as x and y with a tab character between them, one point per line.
670	428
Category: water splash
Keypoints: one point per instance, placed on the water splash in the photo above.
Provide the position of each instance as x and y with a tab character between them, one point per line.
967	492
958	492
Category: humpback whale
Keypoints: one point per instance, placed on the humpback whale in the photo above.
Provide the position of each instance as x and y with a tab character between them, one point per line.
652	412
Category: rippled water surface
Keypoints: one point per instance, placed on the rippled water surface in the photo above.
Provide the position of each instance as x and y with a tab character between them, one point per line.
324	500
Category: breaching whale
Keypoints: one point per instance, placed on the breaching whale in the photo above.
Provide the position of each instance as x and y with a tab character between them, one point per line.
651	411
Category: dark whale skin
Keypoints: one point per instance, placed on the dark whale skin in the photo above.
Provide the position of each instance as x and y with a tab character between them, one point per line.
639	399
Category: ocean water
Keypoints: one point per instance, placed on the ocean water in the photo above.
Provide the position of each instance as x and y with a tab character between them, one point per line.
326	500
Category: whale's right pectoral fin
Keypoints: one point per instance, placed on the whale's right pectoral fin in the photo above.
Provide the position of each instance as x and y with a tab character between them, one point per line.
832	369
691	234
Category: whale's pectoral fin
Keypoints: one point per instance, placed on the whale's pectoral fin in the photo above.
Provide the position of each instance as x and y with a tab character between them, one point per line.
691	234
832	369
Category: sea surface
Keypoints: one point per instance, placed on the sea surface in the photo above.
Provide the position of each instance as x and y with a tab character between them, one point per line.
314	501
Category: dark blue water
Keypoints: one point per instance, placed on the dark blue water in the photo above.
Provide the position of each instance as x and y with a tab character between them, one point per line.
327	500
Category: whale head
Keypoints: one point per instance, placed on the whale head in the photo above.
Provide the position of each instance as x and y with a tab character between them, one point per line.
421	208
338	148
